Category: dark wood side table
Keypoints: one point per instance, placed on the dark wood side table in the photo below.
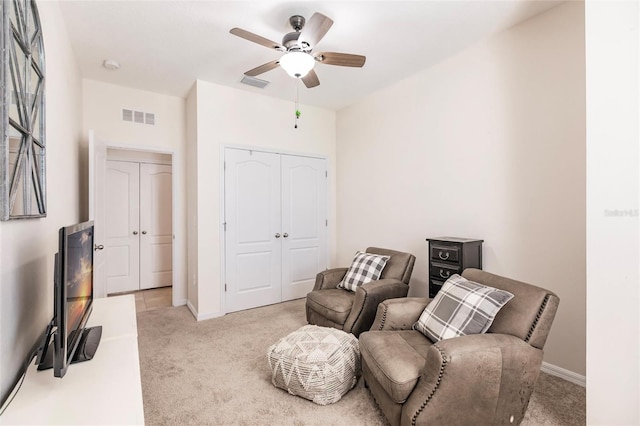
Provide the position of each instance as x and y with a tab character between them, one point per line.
450	255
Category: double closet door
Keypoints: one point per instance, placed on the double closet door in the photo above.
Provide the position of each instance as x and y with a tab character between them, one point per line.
139	235
275	226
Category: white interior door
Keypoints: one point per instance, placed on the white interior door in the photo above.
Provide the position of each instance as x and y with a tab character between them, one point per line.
97	178
156	235
253	229
122	198
304	222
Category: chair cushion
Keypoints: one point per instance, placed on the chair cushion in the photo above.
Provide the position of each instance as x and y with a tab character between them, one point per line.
333	304
365	267
395	359
399	266
528	315
461	307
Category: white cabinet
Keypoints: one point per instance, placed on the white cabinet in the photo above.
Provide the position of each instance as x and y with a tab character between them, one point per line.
138	226
103	391
276	225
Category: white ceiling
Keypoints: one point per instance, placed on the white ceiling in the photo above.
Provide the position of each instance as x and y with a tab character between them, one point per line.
164	46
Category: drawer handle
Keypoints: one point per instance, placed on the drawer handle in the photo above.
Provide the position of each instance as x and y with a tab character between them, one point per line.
443	256
444	274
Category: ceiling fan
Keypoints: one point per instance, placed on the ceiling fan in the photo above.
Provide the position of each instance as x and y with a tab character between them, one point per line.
299	57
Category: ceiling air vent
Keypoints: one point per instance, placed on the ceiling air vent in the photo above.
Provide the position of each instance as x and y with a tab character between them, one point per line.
139	117
255	82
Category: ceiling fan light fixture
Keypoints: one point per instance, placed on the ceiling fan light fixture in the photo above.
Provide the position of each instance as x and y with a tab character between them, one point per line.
297	64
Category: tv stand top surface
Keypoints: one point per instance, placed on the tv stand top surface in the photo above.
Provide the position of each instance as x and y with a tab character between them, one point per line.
104	390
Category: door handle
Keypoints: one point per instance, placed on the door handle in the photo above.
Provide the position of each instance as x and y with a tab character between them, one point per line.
285	235
135	232
277	235
144	232
97	247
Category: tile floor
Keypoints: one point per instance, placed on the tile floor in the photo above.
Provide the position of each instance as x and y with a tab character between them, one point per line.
148	300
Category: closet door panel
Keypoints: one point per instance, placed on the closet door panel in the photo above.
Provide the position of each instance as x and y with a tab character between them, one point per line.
253	229
156	236
304	215
122	226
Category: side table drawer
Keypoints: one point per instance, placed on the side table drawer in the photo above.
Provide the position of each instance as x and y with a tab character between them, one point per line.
447	253
443	271
434	287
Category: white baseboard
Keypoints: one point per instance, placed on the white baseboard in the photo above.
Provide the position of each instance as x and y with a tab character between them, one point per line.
180	302
193	310
202	317
567	375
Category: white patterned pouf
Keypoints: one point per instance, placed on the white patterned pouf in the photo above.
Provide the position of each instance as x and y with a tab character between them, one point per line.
316	363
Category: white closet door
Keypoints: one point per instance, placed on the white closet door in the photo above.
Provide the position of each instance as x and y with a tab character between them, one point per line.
252	216
122	226
304	215
156	235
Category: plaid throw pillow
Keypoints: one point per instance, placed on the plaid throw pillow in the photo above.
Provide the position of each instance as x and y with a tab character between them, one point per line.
461	307
364	268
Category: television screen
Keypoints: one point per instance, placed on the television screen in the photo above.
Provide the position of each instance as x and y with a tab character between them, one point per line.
78	278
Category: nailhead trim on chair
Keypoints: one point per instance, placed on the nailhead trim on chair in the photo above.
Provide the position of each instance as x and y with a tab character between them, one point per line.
440	374
538	315
384	316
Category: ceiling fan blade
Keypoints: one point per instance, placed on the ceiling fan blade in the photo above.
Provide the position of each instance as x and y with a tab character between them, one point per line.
256	38
263	68
341	59
311	79
315	28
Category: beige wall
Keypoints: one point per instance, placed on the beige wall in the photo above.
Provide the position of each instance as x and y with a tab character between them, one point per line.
489	144
613	246
227	116
192	198
27	247
102	109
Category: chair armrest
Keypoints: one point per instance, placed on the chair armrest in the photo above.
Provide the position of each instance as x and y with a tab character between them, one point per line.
491	375
329	278
366	301
399	314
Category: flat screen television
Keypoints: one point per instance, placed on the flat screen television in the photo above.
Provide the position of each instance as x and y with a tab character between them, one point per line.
66	339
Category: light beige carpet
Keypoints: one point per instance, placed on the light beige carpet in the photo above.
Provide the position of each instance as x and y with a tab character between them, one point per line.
215	372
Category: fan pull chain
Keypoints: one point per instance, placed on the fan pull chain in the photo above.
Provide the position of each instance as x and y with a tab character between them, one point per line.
297	103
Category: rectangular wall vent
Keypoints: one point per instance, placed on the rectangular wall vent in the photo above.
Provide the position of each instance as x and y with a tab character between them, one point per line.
127	115
139	117
255	82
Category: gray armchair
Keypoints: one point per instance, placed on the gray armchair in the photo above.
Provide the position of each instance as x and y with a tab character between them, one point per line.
330	306
475	379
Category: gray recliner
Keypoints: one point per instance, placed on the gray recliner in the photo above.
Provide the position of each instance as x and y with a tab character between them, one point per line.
330	306
475	379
